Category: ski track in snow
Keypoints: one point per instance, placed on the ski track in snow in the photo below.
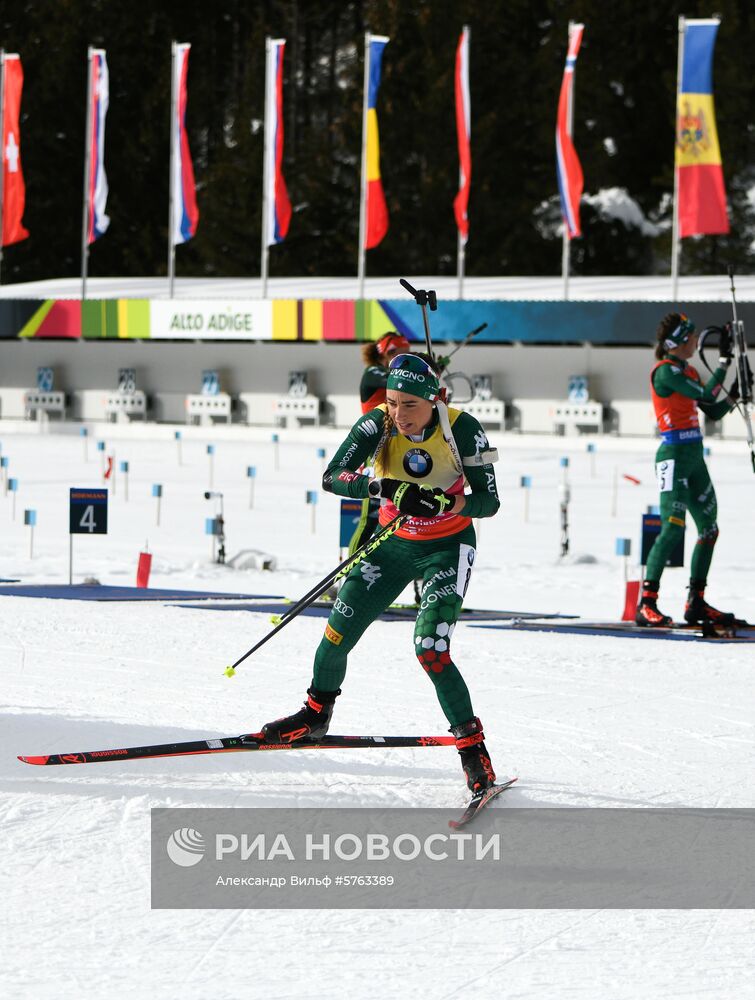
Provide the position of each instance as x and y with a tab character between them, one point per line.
583	721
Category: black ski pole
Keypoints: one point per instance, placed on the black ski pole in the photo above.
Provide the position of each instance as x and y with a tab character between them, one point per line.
744	371
311	596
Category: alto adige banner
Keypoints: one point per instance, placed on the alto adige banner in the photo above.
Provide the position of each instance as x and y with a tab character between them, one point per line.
203	319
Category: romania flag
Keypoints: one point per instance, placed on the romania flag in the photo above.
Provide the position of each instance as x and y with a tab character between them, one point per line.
376	211
700	181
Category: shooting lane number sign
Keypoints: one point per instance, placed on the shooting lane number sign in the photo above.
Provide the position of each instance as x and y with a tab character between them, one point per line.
87	515
87	512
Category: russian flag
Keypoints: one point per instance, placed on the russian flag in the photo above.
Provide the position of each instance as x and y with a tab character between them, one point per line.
700	180
376	210
99	95
278	205
568	167
183	189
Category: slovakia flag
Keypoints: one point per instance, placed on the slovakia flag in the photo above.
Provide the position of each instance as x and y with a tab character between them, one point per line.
183	190
97	221
568	167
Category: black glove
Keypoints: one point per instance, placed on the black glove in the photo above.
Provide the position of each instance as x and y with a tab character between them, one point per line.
733	391
409	498
725	346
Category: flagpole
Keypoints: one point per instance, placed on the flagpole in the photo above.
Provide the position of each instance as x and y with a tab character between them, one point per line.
460	257
566	240
87	179
171	206
266	173
2	151
675	248
363	180
461	243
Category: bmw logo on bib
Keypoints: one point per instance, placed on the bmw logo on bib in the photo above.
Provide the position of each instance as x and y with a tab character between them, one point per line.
417	463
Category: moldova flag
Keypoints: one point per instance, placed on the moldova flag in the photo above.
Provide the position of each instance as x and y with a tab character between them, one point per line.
700	180
97	221
568	167
183	188
376	210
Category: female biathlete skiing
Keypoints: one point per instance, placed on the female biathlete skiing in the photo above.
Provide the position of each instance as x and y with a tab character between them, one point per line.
683	478
425	454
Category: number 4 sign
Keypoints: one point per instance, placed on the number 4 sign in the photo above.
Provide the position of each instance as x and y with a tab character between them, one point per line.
87	515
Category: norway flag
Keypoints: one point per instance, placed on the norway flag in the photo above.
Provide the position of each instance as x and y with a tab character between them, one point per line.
568	168
183	190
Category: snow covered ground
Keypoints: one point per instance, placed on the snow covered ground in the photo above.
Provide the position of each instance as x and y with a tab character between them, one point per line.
584	721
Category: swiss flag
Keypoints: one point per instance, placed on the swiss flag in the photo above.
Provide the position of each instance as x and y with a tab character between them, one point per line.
14	189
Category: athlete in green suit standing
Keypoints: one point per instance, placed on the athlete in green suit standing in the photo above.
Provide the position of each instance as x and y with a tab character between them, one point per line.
683	479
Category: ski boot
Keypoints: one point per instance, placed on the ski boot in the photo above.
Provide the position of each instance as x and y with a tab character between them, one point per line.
648	614
313	720
474	756
697	611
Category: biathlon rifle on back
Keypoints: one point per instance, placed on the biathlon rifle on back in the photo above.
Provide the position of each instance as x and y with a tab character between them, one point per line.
732	336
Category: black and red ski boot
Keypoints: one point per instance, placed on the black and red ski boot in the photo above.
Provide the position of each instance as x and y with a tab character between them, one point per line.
697	611
648	614
474	756
312	720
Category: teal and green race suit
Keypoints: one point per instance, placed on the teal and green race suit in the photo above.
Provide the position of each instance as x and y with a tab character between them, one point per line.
683	478
439	551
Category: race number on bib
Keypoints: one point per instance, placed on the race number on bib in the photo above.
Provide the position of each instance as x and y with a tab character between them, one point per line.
664	472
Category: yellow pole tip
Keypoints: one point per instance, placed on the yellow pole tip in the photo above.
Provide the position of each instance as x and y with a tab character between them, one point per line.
276	619
229	672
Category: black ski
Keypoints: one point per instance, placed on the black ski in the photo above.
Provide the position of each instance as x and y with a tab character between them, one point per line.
238	744
478	802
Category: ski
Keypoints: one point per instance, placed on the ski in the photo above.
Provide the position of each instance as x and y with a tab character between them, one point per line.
237	744
739	631
478	802
707	629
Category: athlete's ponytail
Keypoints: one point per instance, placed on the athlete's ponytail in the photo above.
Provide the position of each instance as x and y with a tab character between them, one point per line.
669	323
370	356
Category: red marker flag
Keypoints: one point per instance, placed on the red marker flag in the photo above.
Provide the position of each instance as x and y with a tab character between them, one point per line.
14	189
